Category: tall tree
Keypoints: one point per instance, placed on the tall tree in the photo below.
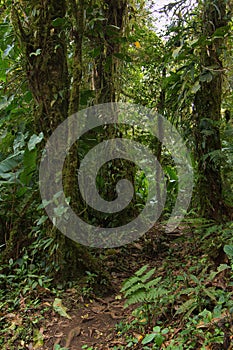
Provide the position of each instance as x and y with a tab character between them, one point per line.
40	26
106	64
207	109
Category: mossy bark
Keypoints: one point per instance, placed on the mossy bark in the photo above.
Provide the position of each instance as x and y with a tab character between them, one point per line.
40	26
107	89
207	114
45	54
106	64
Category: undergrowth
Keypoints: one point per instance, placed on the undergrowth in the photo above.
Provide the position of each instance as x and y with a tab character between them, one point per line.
187	303
184	303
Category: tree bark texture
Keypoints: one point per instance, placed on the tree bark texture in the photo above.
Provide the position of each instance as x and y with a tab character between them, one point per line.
207	112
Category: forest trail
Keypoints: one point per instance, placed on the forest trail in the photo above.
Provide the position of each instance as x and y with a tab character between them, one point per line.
93	320
92	324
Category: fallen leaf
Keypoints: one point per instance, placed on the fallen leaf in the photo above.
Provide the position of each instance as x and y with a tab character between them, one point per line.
137	44
139	337
60	309
97	309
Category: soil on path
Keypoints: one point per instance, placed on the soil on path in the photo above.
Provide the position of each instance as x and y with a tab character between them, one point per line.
93	321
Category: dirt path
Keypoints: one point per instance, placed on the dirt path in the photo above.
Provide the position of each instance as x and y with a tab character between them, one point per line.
93	322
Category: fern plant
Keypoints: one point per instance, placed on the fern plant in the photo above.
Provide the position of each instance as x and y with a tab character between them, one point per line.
142	289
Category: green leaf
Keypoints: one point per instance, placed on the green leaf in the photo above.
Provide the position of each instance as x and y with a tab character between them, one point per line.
141	271
129	283
34	140
228	249
209	294
153	282
42	220
222	267
114	27
221	32
29	162
148	275
194	278
133	290
4	65
60	309
58	347
10	163
38	339
148	338
138	297
156	329
195	87
95	52
58	22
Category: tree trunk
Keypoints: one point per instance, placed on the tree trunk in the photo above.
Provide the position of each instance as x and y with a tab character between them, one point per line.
45	58
44	44
207	113
107	65
106	85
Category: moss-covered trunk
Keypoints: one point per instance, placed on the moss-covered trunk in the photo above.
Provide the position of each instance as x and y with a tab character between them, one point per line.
41	29
106	73
207	113
44	51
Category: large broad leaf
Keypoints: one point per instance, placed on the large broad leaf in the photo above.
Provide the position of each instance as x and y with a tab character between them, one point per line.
4	64
10	163
58	22
221	32
228	249
34	140
29	166
148	338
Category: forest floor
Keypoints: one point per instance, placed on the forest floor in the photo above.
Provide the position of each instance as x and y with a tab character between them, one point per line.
93	321
90	321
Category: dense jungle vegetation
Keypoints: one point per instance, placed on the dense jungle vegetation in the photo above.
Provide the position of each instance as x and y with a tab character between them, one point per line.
163	290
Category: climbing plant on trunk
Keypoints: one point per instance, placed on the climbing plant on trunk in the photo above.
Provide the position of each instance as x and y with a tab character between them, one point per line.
207	110
42	30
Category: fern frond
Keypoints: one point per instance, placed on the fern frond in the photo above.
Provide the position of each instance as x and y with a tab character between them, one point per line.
137	297
187	306
153	283
141	271
155	294
148	275
128	283
134	289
